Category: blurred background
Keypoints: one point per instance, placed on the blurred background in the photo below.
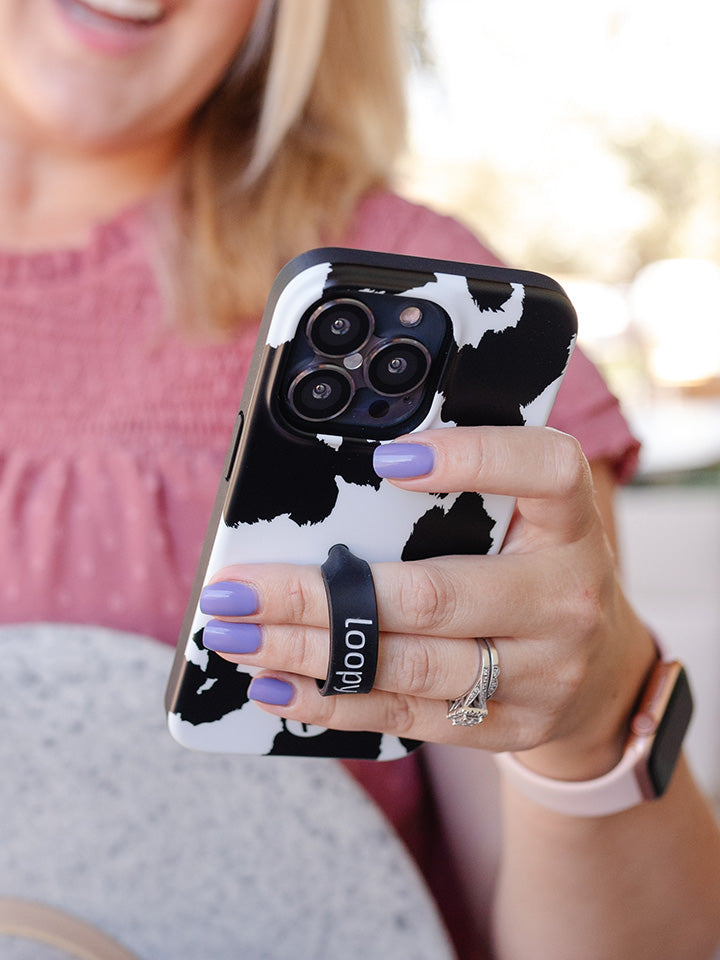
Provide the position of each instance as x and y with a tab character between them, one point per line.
584	142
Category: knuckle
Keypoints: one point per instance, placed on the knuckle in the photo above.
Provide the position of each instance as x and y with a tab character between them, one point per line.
588	607
399	716
569	679
583	597
426	598
327	712
298	599
298	651
589	614
571	467
470	462
413	668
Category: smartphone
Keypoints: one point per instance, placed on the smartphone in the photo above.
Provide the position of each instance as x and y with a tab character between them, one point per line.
357	348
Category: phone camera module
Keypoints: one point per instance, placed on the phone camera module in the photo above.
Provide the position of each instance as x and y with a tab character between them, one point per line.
398	367
321	393
363	363
340	327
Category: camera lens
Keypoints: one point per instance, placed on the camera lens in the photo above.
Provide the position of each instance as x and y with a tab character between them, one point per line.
339	327
321	393
398	367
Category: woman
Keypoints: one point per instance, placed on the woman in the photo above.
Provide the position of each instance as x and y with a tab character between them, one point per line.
160	160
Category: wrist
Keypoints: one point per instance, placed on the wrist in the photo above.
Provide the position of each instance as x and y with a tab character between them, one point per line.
645	769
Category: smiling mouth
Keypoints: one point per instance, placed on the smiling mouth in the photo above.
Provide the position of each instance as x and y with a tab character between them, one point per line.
140	12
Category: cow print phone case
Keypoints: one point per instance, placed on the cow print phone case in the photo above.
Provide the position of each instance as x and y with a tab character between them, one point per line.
357	348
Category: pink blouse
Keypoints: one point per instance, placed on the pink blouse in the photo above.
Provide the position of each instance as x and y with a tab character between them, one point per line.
114	427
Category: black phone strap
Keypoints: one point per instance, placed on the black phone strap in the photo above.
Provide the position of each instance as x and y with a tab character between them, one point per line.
352	607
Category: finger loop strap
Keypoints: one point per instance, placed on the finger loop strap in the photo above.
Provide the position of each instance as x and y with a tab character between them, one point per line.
353	623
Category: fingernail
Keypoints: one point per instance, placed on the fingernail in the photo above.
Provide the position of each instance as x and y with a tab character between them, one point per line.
270	690
231	637
228	598
403	460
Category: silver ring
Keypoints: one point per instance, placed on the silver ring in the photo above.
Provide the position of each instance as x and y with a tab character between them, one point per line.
471	708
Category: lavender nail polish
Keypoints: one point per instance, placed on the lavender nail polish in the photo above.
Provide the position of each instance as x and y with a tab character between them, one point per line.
231	637
270	690
399	461
228	598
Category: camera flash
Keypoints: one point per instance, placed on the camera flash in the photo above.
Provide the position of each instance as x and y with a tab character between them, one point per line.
353	361
411	316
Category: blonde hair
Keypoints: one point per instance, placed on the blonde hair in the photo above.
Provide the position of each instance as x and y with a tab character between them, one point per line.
309	118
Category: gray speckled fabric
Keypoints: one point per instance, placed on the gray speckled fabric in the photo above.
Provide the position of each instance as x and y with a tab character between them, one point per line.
181	855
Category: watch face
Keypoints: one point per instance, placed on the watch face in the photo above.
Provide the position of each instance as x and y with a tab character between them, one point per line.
670	733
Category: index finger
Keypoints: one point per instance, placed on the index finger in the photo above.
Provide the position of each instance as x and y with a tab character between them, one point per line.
543	468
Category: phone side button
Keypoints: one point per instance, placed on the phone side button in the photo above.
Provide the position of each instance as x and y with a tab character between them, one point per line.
233	448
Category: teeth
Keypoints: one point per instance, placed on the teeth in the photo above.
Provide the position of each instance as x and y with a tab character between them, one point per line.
128	9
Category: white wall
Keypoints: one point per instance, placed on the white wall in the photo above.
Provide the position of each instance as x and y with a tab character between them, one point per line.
670	552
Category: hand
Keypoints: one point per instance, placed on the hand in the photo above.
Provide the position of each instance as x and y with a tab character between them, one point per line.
572	653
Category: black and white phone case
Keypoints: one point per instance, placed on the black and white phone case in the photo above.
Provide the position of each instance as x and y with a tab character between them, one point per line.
357	348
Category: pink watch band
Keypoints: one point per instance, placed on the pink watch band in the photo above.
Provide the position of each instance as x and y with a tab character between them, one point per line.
656	734
617	790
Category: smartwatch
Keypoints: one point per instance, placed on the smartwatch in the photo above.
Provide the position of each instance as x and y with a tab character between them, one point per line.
657	731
